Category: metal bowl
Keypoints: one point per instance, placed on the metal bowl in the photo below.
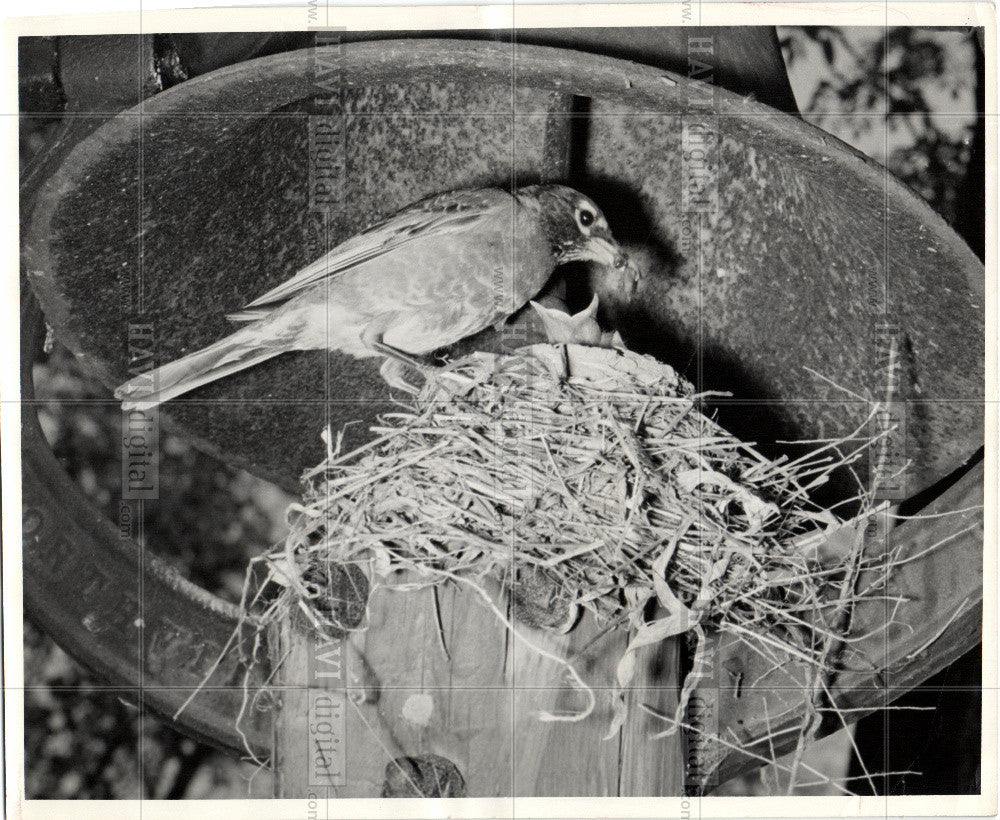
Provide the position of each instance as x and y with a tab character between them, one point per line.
790	254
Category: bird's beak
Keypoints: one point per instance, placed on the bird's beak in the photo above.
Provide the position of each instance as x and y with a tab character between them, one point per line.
609	253
605	252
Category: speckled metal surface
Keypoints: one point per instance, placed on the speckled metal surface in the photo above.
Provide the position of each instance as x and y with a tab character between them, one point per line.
800	243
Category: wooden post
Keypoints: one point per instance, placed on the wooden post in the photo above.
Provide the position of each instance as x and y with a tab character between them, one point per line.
372	715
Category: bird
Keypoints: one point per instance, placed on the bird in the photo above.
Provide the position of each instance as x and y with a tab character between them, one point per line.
563	327
437	271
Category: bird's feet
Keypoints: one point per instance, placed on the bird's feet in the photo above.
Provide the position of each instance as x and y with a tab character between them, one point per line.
394	371
397	363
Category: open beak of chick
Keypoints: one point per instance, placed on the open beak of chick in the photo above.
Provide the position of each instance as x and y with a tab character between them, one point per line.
580	328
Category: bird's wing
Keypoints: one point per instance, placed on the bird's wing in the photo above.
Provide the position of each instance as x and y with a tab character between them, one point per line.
452	211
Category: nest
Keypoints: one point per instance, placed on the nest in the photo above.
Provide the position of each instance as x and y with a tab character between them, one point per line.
580	478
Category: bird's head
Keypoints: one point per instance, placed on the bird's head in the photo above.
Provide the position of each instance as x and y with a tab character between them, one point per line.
574	225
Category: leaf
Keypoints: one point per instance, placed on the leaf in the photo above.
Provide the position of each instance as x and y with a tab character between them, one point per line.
828	54
381	561
283	571
645	634
757	510
830	545
664	594
659	630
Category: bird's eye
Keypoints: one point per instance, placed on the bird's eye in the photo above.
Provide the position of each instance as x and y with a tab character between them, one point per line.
586	217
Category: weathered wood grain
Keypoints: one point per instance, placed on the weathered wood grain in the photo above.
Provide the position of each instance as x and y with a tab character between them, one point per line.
475	701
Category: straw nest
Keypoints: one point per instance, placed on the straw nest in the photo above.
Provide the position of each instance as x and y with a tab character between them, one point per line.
581	478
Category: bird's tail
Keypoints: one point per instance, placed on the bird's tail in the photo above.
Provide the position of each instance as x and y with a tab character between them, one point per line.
236	352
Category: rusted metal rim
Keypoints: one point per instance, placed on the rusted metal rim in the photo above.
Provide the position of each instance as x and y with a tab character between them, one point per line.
120	611
940	620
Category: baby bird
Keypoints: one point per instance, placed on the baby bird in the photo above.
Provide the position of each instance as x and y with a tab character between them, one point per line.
437	271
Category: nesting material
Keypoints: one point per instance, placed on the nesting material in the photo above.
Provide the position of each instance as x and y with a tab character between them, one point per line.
581	478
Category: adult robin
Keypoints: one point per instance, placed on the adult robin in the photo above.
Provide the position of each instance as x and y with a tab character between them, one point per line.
439	270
